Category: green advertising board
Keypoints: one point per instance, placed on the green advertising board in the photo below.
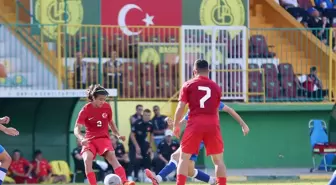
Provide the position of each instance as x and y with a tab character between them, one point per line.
72	12
215	12
169	52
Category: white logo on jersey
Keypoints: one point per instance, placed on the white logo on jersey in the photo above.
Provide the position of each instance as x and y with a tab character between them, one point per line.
104	115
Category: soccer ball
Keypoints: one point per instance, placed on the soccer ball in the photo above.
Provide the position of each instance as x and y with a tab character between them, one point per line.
112	179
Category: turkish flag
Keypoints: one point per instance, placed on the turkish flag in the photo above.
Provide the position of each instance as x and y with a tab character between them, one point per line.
134	17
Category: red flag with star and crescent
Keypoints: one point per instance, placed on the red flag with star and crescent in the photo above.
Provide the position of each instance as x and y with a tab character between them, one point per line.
135	17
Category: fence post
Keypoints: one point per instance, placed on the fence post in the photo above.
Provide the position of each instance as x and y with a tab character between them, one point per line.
59	57
330	63
99	48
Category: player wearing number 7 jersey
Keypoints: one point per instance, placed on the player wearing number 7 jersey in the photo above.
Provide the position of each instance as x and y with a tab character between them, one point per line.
96	117
203	98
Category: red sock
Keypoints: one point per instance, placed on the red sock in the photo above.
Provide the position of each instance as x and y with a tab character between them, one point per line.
120	171
221	180
92	178
181	179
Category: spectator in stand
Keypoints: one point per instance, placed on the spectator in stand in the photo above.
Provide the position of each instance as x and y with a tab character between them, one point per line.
324	3
113	73
289	3
159	125
140	152
121	156
165	149
79	162
81	73
138	114
20	168
43	171
318	23
312	85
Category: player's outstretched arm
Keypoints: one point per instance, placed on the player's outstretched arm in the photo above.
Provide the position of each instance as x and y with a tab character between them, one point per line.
9	131
236	116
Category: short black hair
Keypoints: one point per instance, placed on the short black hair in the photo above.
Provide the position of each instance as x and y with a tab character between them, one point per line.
201	65
36	153
313	68
147	111
138	106
156	106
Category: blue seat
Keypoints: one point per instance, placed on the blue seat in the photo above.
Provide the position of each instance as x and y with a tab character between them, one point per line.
319	135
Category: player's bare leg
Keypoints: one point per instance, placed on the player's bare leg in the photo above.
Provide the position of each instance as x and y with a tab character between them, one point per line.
182	168
118	169
220	168
88	159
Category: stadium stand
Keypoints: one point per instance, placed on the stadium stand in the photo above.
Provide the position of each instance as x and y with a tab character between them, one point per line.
277	56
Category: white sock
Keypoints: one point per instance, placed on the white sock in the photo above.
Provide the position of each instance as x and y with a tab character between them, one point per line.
212	180
195	173
159	178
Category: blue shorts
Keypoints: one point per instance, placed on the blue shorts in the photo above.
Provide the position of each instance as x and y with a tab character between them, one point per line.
2	149
194	156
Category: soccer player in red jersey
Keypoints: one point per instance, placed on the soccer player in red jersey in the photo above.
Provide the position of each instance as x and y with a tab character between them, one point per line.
203	98
18	168
96	117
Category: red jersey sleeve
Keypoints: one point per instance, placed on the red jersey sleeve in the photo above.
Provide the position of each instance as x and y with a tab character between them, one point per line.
183	94
82	115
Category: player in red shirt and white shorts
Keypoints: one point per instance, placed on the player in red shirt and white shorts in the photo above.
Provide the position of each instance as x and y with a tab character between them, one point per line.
203	98
96	117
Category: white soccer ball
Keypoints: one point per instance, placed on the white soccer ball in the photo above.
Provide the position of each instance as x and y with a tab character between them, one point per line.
112	179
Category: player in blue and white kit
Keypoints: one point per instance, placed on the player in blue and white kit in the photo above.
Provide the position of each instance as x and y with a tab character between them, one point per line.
4	156
192	172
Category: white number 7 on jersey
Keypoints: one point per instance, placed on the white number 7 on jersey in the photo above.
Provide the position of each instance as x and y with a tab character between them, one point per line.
206	96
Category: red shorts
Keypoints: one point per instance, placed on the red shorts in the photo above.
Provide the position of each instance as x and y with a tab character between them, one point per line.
98	146
193	137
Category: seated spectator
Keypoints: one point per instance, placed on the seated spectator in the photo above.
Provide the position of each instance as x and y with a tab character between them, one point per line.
79	163
121	156
43	171
318	24
165	149
20	168
113	73
140	152
289	3
312	85
324	3
81	72
159	125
